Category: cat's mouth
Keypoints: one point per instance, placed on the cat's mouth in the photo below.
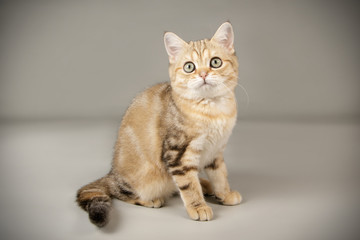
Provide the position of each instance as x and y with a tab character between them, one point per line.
203	85
206	84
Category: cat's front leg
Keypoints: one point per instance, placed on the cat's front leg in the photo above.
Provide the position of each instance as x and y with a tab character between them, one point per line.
217	173
189	186
182	163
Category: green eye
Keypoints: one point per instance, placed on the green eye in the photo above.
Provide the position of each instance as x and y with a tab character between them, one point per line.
189	67
215	62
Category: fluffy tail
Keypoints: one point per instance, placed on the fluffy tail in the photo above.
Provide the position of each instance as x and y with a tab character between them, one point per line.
95	198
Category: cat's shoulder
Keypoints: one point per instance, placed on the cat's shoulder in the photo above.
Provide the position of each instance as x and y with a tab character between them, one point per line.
152	95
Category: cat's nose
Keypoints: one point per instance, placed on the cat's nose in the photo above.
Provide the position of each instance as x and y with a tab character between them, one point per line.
203	74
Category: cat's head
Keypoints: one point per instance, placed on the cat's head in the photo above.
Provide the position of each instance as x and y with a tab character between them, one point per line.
205	68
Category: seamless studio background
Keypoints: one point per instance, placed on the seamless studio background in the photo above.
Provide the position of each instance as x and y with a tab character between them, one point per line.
69	70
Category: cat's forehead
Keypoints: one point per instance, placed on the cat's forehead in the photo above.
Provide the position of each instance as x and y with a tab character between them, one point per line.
201	49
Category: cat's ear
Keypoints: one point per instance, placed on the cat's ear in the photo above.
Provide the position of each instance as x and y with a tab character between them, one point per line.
174	45
225	36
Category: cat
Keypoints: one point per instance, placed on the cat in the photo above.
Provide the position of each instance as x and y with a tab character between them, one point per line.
174	130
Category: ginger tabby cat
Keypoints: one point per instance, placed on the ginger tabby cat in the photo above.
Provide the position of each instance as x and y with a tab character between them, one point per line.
174	130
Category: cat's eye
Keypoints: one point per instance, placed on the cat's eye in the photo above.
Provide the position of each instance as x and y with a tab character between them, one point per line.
215	62
189	67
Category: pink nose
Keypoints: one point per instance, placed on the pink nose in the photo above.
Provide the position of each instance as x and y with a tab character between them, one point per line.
203	74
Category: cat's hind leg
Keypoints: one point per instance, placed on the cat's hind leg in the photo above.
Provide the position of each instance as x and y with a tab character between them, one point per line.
141	195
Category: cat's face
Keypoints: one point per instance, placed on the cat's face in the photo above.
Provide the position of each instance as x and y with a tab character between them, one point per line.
205	68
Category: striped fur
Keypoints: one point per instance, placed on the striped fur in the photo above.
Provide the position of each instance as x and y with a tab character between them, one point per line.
171	132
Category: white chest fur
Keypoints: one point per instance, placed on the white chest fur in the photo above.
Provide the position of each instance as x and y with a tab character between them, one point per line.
213	127
214	140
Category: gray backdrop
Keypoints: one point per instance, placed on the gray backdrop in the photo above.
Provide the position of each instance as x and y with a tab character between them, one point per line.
294	154
88	59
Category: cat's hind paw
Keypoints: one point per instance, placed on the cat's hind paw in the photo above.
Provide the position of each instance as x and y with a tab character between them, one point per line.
157	203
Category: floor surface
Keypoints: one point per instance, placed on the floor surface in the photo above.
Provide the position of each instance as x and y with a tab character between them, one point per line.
298	181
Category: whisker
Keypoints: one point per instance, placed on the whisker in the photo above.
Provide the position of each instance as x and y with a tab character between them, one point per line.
247	102
246	93
227	88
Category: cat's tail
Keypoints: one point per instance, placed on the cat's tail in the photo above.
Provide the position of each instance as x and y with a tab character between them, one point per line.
95	198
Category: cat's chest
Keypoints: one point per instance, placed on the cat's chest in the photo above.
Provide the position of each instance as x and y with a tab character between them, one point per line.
210	123
213	137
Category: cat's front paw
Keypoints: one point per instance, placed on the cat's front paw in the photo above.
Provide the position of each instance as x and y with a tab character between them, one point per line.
200	213
231	198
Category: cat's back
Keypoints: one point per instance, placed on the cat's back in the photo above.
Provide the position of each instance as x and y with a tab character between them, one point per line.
147	105
139	133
